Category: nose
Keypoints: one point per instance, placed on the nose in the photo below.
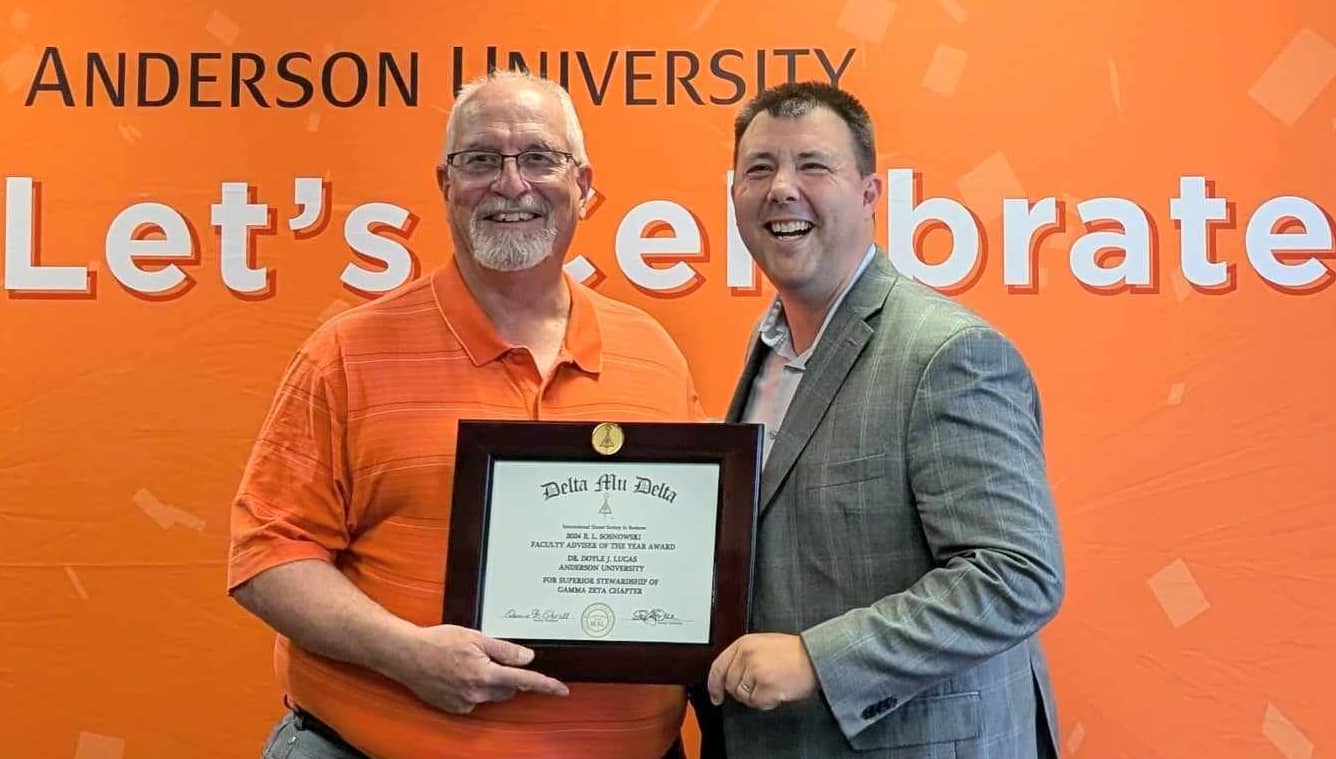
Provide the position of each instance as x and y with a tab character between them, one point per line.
509	183
783	188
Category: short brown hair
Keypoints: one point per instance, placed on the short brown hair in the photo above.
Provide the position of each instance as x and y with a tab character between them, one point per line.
797	98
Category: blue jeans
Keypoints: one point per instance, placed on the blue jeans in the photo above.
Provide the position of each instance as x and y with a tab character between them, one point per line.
288	741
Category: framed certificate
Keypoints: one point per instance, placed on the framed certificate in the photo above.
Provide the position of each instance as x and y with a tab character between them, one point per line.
618	552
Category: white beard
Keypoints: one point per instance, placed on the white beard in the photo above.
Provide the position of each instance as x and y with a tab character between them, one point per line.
498	249
511	251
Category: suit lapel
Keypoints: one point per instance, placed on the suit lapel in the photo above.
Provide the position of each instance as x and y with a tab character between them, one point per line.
842	343
752	364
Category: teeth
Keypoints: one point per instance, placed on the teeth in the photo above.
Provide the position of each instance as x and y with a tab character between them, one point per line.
514	216
789	227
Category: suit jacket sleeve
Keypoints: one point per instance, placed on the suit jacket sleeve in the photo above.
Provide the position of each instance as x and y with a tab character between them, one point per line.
976	468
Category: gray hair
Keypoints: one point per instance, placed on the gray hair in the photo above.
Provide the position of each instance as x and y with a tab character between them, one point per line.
574	134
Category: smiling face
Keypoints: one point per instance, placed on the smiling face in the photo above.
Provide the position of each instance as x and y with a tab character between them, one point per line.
509	223
803	208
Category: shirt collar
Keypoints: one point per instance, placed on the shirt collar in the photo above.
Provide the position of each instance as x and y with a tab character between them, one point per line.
774	330
582	345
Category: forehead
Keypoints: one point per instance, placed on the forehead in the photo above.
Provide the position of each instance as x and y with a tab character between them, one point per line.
511	112
820	130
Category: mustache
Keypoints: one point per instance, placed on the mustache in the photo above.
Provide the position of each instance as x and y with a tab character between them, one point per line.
527	203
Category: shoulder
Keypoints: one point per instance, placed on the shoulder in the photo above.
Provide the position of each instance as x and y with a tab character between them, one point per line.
399	316
628	332
925	321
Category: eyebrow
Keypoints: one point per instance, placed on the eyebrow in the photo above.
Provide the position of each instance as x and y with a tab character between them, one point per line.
485	144
765	155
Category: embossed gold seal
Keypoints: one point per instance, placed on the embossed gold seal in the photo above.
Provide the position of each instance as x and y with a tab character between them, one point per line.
597	620
608	438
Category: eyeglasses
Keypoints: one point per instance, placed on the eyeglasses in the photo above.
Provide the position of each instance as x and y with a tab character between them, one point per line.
486	165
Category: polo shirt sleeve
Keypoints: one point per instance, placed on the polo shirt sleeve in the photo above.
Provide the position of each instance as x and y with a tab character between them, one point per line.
695	411
293	497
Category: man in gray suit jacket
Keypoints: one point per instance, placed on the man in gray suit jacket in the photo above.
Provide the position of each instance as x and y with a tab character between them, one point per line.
907	547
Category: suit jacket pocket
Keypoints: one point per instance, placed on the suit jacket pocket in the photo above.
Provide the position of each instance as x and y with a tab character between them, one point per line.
824	474
923	720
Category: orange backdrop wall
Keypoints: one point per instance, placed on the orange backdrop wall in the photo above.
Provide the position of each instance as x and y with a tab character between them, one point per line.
1186	367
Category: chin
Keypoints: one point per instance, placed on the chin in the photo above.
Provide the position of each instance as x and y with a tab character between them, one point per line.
513	252
786	277
510	262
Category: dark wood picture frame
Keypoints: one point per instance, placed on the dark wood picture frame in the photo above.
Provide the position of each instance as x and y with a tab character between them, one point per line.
736	448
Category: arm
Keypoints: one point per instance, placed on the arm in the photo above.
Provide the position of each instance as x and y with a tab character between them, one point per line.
976	468
290	521
313	604
452	668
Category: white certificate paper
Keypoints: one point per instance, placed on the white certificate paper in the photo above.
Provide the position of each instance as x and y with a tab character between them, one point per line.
594	551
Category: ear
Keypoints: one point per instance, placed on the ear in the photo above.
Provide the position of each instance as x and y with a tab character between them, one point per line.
871	192
443	181
584	177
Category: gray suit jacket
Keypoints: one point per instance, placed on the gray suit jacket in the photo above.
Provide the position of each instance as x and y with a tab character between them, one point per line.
908	534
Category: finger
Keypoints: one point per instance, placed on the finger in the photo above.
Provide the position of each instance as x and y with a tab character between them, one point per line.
765	698
495	693
455	706
715	682
505	652
525	680
736	676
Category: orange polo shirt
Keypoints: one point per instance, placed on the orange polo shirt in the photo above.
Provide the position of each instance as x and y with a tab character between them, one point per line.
354	466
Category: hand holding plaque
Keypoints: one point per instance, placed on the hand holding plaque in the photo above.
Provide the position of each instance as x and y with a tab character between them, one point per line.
455	668
616	552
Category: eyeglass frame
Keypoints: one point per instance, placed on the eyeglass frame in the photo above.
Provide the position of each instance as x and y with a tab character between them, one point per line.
567	159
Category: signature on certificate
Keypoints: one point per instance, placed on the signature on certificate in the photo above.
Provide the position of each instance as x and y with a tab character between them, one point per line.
538	615
655	617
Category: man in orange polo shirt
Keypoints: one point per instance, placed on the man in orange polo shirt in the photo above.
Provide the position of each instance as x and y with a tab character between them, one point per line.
340	525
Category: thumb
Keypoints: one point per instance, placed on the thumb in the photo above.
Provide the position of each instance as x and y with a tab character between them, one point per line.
505	652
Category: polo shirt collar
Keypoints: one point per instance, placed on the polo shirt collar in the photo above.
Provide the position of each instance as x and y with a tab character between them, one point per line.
583	343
